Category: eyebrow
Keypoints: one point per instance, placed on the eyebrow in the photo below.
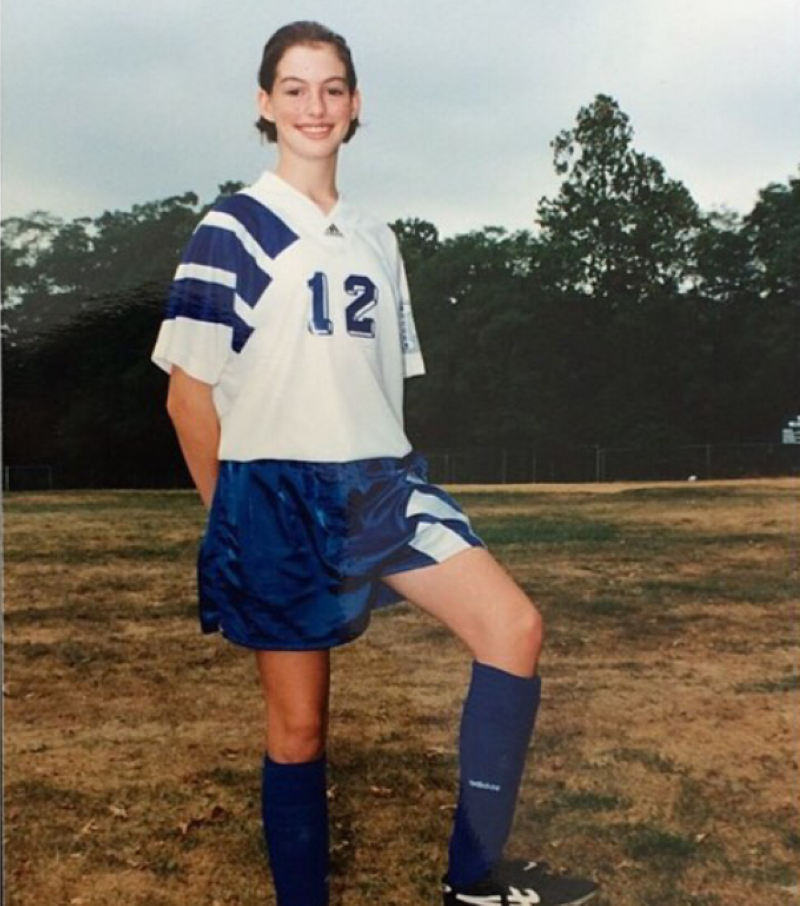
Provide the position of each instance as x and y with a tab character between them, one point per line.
291	78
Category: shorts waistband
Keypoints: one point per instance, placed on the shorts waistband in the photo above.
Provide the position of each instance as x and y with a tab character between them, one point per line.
379	465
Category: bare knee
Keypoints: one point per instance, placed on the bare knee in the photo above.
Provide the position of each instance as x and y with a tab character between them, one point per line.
294	739
295	686
528	635
513	641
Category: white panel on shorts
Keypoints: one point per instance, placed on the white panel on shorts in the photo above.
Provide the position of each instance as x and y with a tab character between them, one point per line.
437	541
421	504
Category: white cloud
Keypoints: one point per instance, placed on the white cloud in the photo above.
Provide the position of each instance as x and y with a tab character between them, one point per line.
106	105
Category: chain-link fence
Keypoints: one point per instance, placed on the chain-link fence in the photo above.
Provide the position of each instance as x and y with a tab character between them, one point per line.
596	463
483	465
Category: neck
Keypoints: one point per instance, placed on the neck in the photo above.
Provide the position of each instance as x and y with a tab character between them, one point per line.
316	179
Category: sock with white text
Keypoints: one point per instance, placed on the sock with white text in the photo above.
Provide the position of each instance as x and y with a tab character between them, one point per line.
496	727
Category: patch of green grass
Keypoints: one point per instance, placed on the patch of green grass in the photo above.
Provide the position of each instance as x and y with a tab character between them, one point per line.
696	807
100	502
555	741
165	865
99	611
691	491
733	646
226	776
789	683
652	760
70	653
657	895
77	554
737	539
745	586
589	801
778	873
603	607
544	530
647	842
36	794
791	840
393	768
629	667
516	499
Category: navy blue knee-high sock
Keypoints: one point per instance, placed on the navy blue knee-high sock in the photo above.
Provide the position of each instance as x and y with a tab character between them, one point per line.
294	808
496	727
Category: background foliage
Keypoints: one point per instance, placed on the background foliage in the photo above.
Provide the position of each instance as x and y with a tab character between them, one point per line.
628	317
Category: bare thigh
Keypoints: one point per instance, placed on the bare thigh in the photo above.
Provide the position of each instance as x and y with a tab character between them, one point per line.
296	687
481	604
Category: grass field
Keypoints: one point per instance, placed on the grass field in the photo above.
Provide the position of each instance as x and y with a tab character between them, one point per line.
665	758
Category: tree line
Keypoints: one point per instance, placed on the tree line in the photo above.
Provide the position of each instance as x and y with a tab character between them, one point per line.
628	316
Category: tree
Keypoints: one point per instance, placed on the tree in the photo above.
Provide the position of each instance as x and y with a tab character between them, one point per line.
530	340
773	230
22	243
59	271
469	295
83	307
619	228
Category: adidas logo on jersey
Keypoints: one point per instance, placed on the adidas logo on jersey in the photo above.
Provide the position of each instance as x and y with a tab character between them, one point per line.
333	230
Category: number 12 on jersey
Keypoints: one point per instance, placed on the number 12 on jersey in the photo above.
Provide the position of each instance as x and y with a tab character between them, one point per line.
365	295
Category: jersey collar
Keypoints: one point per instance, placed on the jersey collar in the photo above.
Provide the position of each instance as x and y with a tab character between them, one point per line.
270	185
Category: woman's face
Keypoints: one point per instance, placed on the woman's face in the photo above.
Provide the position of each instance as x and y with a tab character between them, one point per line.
310	102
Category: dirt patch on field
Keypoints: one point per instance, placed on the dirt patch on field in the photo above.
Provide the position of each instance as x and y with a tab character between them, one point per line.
664	761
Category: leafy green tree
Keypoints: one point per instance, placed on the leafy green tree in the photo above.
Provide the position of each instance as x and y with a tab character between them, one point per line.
59	271
618	253
748	297
629	319
84	303
619	228
725	266
773	229
22	243
419	241
470	297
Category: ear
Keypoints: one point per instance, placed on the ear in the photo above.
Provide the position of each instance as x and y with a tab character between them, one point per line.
265	105
356	104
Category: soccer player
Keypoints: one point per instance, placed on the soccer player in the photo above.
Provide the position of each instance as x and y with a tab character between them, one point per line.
288	335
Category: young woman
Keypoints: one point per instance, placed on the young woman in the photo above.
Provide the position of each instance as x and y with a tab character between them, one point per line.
287	337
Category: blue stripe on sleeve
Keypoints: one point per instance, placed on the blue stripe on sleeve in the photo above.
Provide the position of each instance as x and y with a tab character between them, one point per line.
210	303
271	233
215	247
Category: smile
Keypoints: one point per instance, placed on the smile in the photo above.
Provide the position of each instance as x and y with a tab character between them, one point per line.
316	131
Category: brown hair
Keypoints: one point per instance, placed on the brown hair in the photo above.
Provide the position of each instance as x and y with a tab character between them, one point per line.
287	37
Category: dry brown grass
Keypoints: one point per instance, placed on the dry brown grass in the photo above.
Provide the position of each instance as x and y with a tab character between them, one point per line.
664	762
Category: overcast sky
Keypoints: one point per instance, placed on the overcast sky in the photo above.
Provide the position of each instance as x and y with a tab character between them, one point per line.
108	104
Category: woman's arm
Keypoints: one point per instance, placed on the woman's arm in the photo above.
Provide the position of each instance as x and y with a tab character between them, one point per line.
191	407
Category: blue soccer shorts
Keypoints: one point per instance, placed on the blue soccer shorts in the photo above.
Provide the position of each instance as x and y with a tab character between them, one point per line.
294	552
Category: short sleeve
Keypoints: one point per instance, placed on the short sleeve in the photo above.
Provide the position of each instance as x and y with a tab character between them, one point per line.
413	362
222	275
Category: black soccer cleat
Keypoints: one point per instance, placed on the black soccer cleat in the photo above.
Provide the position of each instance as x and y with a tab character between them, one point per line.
522	884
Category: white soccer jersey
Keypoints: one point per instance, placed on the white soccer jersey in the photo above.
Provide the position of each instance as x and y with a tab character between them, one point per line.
302	324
